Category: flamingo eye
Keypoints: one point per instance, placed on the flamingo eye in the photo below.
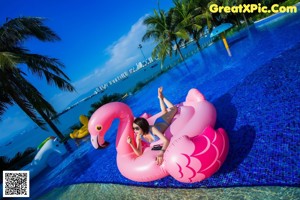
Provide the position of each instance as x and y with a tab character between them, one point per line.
98	128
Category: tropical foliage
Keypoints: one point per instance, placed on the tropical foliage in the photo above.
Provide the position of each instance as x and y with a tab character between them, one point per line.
18	161
189	19
165	32
16	61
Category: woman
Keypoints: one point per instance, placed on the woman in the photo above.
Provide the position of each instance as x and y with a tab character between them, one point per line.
154	133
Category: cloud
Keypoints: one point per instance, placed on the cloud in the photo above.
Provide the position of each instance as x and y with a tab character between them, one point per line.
124	53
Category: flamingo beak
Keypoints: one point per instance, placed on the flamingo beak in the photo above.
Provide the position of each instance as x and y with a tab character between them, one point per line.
98	142
104	145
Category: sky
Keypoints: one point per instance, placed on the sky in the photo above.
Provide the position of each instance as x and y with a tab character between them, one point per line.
99	40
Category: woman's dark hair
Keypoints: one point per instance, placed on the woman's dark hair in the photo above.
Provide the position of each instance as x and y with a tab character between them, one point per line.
142	123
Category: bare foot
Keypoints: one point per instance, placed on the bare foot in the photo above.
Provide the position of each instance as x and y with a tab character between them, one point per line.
160	94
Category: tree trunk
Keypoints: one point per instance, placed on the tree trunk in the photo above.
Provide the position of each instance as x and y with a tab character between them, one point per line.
245	19
198	45
43	115
181	56
178	48
52	125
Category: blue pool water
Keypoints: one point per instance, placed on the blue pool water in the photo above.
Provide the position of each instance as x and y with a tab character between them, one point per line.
257	96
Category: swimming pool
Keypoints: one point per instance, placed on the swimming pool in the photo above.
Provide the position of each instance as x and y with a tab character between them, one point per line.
257	97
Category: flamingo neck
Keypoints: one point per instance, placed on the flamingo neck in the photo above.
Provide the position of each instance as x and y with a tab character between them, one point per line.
124	130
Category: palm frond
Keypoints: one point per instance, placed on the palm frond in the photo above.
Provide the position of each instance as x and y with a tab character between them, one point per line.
5	100
8	60
25	105
182	34
49	68
19	29
33	96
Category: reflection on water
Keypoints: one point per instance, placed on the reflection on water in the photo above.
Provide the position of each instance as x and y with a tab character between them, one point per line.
113	191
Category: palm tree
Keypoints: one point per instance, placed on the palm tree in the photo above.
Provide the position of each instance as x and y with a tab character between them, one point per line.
202	12
230	17
239	2
14	87
187	17
165	32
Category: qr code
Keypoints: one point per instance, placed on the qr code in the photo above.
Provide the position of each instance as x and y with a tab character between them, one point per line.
16	183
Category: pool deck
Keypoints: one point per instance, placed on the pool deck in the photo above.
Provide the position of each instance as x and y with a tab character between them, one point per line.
114	191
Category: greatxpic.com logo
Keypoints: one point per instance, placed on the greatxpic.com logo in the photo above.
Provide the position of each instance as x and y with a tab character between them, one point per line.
251	8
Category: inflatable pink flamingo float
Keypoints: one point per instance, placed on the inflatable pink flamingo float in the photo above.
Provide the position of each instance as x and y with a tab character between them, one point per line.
196	151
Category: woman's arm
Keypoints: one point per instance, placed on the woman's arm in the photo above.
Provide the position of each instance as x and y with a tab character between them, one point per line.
165	141
137	150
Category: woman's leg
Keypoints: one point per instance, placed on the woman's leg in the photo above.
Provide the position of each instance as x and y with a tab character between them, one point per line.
168	103
167	116
161	100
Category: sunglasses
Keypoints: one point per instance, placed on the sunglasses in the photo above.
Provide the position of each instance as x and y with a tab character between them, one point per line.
136	128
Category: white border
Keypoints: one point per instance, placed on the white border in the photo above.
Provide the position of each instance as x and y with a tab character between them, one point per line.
16	172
